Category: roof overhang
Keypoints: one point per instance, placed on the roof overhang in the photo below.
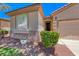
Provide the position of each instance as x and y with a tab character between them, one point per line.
33	7
63	9
1	19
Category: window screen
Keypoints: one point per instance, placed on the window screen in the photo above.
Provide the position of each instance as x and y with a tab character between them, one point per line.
21	21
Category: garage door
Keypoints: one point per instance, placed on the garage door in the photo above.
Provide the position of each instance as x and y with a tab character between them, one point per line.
69	28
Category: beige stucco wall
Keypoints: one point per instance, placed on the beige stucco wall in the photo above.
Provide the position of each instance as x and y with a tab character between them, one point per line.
12	23
69	25
55	26
33	20
70	13
41	25
5	25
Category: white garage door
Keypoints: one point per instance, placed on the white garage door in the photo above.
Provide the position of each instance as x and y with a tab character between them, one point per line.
69	28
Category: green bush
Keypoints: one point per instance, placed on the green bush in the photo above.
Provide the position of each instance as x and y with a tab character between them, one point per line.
49	38
3	32
9	52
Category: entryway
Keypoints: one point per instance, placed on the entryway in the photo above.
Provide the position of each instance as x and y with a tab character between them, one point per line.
48	26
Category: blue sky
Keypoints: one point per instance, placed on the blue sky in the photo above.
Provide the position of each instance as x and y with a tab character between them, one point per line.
48	8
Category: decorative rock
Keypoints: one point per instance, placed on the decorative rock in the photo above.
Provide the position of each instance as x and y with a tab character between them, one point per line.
35	44
11	44
17	43
22	50
2	45
31	48
41	54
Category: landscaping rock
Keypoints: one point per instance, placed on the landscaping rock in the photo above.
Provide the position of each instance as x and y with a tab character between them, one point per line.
28	49
3	45
41	54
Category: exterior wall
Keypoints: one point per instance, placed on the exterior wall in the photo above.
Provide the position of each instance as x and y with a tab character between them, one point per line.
67	21
33	21
12	22
55	25
36	22
41	25
5	25
47	19
70	13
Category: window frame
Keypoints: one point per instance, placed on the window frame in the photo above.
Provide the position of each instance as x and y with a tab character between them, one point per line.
25	18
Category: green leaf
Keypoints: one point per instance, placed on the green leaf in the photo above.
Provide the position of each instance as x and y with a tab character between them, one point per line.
49	38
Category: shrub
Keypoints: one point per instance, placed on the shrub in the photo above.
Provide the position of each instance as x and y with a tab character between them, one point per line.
9	52
3	32
49	38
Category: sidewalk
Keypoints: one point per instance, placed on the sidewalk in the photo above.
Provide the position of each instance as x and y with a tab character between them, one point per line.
72	45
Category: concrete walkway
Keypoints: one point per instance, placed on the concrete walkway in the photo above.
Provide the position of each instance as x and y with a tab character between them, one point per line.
73	45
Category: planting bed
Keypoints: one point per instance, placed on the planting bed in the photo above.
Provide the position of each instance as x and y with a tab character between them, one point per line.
30	49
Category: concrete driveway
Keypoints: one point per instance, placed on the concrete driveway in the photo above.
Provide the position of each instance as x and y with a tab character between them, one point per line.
73	45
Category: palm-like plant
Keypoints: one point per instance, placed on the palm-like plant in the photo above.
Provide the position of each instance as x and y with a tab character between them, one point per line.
3	7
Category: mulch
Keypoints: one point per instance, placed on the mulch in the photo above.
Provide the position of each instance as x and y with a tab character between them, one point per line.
62	50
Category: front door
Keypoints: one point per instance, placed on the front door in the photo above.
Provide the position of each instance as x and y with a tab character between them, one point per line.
48	26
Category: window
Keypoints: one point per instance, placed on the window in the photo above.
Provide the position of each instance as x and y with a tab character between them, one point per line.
21	21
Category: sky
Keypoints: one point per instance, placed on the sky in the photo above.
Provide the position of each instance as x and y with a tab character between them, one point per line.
48	8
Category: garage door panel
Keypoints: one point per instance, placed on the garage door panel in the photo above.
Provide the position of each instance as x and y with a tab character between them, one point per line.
68	28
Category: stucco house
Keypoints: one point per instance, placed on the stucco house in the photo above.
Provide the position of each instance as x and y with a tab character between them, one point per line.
31	20
4	24
66	20
27	22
